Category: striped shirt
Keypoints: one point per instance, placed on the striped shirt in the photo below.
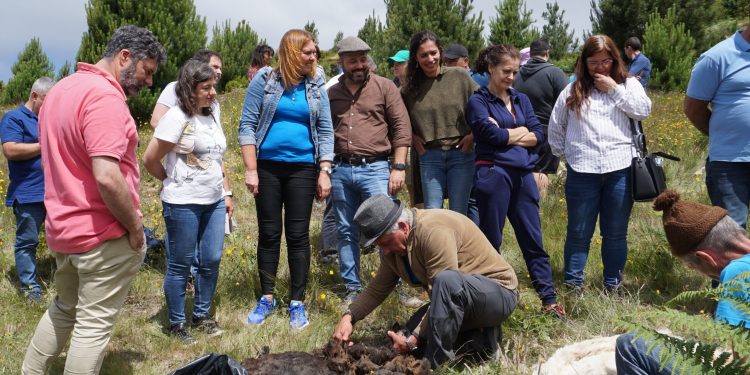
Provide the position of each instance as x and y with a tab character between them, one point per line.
600	140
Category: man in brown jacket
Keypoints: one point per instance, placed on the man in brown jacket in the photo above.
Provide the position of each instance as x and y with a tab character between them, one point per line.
472	288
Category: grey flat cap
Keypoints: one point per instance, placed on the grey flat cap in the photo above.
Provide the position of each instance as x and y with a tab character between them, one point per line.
352	44
455	51
376	215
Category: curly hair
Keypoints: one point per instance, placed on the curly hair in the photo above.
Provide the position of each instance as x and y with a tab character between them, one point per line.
584	83
494	55
139	41
192	73
257	60
414	73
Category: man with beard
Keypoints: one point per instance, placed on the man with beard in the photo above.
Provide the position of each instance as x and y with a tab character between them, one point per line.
370	124
88	141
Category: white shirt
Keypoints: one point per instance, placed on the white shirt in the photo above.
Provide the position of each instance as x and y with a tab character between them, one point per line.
193	166
168	98
600	140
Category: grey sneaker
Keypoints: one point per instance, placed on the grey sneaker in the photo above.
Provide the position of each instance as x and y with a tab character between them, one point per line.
179	332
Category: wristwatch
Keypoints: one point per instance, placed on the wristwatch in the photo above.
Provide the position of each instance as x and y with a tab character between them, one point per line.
399	166
611	90
409	345
328	170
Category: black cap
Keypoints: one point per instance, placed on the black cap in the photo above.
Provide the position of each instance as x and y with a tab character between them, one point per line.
455	51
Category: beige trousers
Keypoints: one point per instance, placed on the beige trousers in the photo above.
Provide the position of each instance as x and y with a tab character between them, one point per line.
91	289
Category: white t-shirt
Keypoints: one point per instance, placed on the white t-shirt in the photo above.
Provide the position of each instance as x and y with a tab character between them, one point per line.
168	98
193	166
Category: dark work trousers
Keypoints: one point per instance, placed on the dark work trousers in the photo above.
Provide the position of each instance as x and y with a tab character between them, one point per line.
465	314
291	187
512	193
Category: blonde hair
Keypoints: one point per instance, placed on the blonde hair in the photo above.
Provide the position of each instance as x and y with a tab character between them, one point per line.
290	63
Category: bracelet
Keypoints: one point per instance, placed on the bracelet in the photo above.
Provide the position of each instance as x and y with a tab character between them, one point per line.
410	346
228	193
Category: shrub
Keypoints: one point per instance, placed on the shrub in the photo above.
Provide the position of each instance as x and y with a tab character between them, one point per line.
671	50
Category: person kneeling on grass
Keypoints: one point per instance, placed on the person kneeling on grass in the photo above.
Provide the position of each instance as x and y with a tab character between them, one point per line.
708	241
472	288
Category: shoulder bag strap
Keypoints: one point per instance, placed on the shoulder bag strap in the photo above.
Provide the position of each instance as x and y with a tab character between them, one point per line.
639	139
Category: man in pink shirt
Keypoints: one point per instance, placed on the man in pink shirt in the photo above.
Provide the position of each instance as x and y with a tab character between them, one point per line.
88	141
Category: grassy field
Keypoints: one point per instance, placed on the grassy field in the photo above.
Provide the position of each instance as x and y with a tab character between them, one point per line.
140	345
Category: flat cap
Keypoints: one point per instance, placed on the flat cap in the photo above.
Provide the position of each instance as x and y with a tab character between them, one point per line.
352	44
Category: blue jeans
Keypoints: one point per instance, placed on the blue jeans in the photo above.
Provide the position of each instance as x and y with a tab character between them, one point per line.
188	226
607	197
350	186
29	219
728	185
447	173
633	357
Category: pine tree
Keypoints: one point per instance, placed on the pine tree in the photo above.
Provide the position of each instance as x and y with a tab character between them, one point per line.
32	64
450	20
65	70
336	40
175	23
310	27
512	24
556	33
236	49
671	51
619	19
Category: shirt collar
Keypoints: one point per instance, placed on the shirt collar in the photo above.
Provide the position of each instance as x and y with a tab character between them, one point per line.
741	42
86	68
27	111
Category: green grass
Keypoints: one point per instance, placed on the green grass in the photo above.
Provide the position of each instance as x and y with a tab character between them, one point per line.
140	346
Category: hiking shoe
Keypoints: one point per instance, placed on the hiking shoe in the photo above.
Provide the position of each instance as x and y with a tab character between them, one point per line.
297	315
351	295
208	326
34	297
179	332
264	307
556	311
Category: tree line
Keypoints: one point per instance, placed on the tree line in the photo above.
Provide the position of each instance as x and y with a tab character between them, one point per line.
673	33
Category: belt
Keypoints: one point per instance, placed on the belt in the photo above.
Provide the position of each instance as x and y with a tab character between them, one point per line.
358	160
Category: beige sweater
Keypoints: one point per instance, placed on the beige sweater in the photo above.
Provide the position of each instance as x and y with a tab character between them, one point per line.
439	240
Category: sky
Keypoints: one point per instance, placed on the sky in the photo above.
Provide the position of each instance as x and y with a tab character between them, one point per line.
59	24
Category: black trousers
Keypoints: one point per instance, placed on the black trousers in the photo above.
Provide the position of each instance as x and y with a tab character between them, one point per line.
465	314
287	187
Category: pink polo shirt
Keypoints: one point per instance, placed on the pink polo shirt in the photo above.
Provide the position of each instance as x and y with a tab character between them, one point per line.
83	116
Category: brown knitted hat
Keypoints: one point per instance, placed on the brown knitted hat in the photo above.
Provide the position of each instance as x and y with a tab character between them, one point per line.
686	223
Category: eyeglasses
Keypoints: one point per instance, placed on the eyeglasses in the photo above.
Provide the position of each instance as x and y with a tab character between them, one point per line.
606	62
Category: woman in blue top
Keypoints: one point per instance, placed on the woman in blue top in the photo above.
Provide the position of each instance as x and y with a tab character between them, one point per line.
506	131
286	133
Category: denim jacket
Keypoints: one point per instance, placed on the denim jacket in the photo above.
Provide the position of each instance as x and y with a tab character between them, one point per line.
263	95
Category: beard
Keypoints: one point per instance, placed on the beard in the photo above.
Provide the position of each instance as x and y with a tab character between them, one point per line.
128	82
358	78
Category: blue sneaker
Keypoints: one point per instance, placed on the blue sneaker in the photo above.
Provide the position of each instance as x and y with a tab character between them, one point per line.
297	315
264	307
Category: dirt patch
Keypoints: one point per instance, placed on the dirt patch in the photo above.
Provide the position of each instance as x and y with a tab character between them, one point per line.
336	358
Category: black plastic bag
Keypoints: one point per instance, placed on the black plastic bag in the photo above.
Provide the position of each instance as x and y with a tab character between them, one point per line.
212	364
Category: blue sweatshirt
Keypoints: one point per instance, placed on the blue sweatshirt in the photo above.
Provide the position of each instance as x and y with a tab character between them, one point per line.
492	140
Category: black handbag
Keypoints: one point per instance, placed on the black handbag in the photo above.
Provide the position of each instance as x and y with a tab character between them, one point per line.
647	175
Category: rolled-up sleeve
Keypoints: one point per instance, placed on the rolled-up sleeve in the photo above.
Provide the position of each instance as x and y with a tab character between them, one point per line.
397	117
251	108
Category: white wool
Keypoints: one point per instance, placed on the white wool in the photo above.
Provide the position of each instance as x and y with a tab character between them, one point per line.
591	357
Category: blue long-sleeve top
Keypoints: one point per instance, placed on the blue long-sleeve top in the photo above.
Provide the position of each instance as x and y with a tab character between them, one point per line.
492	140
